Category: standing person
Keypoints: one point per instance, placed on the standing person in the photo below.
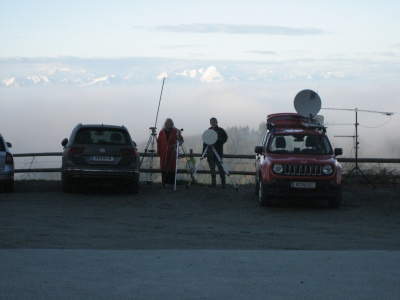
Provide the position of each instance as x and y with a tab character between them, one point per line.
166	148
219	148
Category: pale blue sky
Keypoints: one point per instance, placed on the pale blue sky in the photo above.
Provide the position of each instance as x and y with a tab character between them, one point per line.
239	30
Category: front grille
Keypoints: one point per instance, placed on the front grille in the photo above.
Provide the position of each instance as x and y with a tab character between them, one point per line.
302	170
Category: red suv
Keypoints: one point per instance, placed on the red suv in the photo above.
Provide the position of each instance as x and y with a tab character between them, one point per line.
296	159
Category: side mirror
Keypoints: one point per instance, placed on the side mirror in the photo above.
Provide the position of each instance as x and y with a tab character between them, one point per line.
64	142
338	151
258	149
9	145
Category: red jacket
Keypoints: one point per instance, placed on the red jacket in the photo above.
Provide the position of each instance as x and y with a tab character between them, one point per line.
166	148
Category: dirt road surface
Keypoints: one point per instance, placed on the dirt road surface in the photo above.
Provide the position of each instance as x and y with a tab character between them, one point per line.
39	215
196	243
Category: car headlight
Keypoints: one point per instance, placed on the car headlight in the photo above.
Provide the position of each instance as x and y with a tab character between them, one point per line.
277	168
327	169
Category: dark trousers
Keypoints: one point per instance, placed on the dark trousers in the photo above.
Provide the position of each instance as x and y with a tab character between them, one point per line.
212	161
168	177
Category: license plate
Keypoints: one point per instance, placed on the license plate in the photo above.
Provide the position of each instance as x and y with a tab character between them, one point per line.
103	158
303	185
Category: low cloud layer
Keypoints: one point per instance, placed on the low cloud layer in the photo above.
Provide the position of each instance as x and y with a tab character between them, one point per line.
37	119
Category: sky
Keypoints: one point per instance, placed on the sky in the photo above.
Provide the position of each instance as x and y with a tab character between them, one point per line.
240	30
359	39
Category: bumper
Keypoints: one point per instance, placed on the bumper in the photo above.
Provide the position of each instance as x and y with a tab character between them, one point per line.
80	175
283	189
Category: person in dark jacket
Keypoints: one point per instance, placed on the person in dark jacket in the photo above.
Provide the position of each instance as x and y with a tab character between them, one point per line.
166	148
219	148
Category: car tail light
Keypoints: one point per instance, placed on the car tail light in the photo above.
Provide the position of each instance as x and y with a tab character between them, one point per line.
74	150
130	151
9	159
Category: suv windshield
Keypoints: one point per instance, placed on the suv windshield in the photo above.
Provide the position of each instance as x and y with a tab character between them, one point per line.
299	144
102	136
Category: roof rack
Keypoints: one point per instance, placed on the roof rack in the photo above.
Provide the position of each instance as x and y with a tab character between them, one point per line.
293	120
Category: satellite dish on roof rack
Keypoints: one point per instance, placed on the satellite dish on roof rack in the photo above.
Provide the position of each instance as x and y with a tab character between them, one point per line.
307	103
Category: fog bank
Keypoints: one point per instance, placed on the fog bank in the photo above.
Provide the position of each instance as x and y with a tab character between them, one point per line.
36	119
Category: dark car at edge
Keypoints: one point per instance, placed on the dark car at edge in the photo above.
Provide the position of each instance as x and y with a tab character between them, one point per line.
6	166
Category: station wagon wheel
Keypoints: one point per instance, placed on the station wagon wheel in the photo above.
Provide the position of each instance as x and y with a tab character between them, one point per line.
134	186
9	187
65	185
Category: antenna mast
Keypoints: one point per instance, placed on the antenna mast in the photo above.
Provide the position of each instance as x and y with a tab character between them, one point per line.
356	168
150	147
159	102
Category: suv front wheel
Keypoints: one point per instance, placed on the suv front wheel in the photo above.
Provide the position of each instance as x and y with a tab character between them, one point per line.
336	201
263	198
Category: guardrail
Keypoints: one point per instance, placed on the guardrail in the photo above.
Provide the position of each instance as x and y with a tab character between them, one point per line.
226	157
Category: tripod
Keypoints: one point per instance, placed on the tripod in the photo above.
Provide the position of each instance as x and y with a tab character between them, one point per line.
358	170
152	139
220	161
150	143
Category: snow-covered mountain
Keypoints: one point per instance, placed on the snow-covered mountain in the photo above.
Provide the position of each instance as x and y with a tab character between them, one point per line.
81	72
31	80
84	78
208	75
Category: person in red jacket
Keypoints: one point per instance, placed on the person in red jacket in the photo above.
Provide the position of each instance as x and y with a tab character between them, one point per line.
166	149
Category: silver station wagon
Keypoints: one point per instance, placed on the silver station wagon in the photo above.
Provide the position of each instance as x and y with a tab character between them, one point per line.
100	154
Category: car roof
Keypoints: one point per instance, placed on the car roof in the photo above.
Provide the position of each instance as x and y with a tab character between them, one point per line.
106	126
101	125
289	131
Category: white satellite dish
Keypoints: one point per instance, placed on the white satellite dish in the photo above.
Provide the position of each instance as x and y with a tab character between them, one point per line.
209	137
307	103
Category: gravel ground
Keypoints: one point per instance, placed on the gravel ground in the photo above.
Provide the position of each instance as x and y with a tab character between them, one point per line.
39	216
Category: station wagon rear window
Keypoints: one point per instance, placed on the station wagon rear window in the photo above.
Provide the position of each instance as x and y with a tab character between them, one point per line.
102	136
